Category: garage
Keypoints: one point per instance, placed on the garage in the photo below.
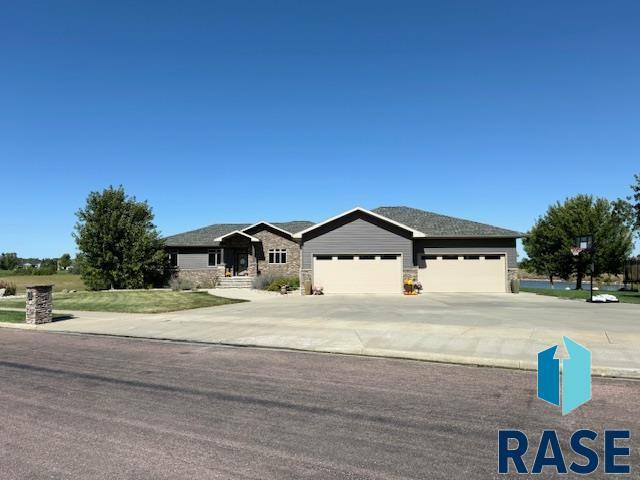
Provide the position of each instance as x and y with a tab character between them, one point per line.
463	273
371	273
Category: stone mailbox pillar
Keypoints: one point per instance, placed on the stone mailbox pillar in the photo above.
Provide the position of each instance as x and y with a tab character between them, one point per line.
39	304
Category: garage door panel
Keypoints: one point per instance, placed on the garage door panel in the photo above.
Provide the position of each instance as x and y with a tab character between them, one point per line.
459	273
354	274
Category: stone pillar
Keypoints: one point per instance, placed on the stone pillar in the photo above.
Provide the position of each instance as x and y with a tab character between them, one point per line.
39	304
305	276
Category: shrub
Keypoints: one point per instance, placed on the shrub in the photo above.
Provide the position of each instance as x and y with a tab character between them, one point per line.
291	282
261	282
9	287
177	283
45	270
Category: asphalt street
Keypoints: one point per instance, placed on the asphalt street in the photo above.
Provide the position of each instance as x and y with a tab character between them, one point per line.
88	407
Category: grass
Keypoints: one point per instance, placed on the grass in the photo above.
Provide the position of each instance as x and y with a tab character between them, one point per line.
8	316
60	281
137	301
624	297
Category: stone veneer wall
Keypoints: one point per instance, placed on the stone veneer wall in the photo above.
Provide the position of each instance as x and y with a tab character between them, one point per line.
305	274
202	278
39	304
511	274
273	240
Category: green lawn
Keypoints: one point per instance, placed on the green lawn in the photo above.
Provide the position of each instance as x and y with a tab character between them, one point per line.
624	297
8	316
11	317
60	281
138	301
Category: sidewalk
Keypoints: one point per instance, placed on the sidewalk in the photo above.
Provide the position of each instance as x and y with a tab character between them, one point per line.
489	330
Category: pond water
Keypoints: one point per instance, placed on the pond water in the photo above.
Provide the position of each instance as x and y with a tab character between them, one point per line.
562	285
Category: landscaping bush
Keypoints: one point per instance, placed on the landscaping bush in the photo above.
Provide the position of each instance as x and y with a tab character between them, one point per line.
273	282
177	283
9	287
261	282
291	282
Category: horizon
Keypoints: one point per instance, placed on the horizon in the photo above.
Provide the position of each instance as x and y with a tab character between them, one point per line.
225	112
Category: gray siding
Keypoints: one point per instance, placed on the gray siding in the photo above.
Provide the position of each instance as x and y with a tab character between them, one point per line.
192	258
357	236
469	245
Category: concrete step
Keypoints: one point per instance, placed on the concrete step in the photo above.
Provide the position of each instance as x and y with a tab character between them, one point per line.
235	282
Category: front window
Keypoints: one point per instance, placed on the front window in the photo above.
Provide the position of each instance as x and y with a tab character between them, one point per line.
215	257
277	255
173	258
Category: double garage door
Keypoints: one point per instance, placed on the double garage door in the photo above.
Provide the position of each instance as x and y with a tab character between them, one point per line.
382	273
463	273
358	273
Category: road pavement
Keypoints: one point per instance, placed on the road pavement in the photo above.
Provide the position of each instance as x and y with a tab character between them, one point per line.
87	407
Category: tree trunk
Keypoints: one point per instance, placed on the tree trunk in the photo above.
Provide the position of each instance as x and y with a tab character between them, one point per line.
551	280
579	281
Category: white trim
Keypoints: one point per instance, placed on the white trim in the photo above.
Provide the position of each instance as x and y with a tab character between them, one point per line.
416	233
277	251
215	251
253	239
269	225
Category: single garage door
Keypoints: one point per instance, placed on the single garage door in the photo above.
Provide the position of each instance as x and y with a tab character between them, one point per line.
358	273
463	273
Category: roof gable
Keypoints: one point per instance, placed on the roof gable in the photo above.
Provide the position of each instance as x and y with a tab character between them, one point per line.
210	236
413	231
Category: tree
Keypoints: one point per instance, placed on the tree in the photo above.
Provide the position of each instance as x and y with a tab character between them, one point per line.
635	200
548	244
118	242
65	261
9	261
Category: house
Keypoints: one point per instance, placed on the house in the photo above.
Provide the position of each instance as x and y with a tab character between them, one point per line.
357	251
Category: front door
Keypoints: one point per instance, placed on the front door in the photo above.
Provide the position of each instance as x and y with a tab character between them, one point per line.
241	263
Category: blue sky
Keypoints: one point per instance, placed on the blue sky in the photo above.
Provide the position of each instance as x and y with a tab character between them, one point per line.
240	111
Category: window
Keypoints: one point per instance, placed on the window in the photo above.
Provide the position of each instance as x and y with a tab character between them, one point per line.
472	257
173	258
215	257
492	257
429	257
277	255
324	257
367	257
345	257
450	257
388	257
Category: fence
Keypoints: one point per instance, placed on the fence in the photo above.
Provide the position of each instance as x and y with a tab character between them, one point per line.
632	271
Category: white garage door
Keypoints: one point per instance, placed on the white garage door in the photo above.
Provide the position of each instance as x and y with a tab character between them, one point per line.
463	273
358	273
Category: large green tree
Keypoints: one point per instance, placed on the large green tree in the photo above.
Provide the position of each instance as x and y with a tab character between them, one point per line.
119	245
64	261
635	200
548	244
9	261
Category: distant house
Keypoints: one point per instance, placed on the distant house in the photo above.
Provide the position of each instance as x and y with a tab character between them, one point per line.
357	251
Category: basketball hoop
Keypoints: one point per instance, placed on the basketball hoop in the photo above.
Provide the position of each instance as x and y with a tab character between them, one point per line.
575	251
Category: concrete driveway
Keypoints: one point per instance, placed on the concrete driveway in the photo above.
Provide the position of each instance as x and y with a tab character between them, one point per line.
486	329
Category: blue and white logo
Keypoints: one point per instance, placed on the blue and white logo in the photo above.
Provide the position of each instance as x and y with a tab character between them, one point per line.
576	376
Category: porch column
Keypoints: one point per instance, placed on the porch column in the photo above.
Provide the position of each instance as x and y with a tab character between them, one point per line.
253	261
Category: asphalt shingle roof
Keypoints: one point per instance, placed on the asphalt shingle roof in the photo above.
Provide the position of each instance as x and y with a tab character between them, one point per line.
204	237
436	225
429	223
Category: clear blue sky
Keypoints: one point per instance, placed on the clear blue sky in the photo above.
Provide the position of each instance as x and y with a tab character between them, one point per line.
239	111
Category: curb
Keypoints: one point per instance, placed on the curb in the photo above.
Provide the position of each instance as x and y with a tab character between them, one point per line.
487	362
